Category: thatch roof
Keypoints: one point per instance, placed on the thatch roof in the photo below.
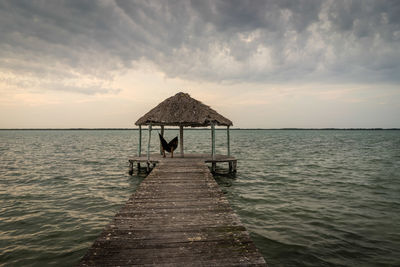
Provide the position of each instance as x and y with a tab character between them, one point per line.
182	110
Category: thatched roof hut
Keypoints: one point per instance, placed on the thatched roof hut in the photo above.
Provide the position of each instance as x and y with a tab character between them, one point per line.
183	110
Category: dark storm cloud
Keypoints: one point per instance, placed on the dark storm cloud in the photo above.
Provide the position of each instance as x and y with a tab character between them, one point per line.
249	15
258	41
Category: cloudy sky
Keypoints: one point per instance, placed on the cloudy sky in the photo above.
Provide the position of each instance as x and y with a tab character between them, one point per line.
267	64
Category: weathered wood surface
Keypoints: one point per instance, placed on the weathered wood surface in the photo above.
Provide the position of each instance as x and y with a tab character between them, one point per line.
177	217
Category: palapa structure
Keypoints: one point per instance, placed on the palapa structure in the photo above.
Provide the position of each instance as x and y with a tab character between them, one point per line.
183	111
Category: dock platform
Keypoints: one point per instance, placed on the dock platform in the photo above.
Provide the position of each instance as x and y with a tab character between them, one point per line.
178	216
206	158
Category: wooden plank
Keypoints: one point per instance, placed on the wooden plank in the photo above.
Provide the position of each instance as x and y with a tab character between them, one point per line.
178	216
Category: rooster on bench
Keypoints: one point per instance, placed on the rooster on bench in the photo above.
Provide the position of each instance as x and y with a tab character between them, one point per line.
169	147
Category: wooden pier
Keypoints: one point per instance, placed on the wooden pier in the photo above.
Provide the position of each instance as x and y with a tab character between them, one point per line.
178	216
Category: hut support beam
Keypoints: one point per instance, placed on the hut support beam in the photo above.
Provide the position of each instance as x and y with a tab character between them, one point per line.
162	134
148	150
213	141
228	141
140	141
213	164
181	139
139	147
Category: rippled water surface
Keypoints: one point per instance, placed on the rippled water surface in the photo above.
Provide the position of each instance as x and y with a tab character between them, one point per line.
308	198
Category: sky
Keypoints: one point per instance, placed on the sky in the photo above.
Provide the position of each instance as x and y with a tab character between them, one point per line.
262	64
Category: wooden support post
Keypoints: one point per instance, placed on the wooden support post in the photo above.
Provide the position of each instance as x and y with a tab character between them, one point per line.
162	134
230	166
213	141
213	167
181	139
130	167
228	141
140	141
148	145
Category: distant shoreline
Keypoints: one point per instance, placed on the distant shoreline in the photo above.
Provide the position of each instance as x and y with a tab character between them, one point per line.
188	128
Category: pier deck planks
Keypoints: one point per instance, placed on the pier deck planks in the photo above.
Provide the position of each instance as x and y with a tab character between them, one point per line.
177	217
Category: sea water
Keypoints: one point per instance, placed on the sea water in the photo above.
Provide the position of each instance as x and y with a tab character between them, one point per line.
307	197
